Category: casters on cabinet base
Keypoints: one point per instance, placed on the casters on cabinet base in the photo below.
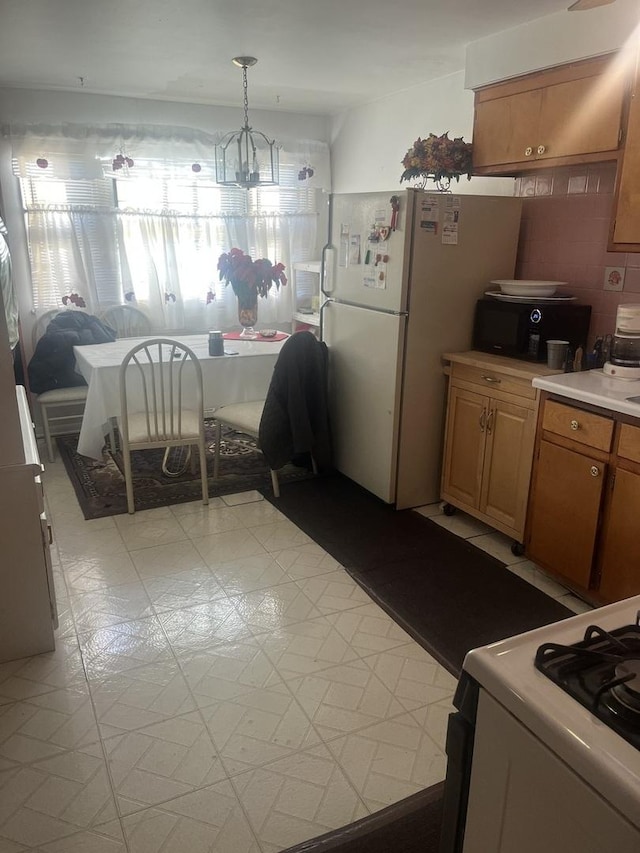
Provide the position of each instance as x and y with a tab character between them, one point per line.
448	509
517	549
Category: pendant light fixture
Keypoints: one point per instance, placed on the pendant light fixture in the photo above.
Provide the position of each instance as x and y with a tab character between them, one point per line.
246	157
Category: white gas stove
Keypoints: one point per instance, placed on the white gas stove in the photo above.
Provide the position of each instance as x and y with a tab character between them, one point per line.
550	750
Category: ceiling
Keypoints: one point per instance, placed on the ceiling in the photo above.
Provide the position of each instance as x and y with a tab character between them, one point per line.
315	56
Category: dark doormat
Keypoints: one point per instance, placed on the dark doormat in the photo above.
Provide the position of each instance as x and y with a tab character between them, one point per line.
100	488
410	826
448	594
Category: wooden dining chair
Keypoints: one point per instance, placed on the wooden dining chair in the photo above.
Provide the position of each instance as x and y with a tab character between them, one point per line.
161	404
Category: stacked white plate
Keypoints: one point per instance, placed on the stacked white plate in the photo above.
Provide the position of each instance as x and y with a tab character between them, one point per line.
523	287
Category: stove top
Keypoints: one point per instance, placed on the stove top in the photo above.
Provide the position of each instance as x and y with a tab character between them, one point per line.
572	727
602	672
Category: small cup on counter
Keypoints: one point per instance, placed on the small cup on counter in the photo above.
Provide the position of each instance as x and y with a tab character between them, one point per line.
216	343
557	354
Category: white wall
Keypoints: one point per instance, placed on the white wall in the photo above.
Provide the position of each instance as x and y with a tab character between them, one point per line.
552	40
369	141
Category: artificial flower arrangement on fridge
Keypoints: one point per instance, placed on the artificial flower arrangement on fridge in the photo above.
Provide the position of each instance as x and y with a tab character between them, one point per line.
439	159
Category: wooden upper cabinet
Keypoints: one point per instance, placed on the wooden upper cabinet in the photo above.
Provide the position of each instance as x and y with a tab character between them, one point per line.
504	128
569	114
625	225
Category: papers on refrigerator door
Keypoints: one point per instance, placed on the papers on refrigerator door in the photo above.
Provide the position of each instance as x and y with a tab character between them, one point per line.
440	214
430	213
350	248
451	218
355	256
375	271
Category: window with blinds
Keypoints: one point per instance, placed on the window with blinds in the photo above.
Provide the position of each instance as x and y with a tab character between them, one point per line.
96	231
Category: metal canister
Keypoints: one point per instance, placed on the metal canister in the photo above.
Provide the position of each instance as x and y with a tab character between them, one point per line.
216	343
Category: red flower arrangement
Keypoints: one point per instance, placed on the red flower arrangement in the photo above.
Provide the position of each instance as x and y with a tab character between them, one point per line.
438	158
248	277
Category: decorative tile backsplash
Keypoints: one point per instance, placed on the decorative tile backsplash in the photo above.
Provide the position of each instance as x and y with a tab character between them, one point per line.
566	215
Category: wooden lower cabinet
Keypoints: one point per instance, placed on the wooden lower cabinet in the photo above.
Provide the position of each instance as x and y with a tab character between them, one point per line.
619	566
564	511
507	464
582	523
489	444
464	447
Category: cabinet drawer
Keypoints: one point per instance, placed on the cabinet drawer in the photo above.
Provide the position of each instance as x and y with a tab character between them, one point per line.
629	445
491	379
595	431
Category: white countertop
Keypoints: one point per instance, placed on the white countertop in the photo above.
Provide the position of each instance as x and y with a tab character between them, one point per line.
593	386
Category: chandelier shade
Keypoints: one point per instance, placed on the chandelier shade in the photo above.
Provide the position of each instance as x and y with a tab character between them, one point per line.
247	158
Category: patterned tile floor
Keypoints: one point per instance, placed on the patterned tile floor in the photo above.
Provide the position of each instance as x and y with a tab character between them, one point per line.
219	683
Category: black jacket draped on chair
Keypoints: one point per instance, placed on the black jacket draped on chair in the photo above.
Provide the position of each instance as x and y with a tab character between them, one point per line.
295	419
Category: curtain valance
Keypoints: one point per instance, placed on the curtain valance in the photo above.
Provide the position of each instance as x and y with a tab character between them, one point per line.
86	152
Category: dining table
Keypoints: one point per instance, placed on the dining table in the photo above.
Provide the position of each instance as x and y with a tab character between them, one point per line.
242	374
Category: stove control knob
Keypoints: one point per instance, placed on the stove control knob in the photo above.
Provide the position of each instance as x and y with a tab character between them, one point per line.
574	425
595	471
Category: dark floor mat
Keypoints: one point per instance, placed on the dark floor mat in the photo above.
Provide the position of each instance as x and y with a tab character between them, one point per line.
448	594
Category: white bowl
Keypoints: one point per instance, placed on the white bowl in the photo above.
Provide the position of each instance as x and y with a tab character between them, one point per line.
514	287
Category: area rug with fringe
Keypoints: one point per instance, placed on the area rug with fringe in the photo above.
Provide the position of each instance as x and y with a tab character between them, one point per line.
100	487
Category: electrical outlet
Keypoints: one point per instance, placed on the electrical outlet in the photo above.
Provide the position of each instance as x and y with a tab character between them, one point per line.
614	278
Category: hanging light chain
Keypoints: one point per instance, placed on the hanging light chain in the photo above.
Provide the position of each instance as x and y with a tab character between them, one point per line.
245	89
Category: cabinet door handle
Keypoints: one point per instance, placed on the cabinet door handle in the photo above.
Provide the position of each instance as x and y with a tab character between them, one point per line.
50	533
528	151
574	425
541	149
483	420
492	379
594	471
490	421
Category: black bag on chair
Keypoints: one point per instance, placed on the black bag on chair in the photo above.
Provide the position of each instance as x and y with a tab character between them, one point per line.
53	363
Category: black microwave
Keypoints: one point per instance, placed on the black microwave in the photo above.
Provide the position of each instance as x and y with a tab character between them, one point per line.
521	329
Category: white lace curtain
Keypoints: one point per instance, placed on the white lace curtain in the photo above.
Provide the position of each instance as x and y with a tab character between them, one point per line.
161	259
170	265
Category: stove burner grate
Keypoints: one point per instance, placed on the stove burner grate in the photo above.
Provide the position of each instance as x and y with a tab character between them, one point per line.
602	672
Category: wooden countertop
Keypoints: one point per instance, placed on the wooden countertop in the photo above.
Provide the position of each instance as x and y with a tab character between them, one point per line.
511	366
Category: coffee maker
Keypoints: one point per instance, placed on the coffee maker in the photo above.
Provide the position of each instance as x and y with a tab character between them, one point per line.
624	356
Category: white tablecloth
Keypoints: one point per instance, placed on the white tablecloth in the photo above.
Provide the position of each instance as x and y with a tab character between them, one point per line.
225	379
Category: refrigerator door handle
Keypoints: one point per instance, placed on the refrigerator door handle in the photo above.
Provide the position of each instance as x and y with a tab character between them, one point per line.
327	249
323	268
321	325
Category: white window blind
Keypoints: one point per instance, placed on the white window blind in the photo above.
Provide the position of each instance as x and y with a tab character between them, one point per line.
152	236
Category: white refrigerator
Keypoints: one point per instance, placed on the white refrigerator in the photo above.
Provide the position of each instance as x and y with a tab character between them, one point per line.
395	301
